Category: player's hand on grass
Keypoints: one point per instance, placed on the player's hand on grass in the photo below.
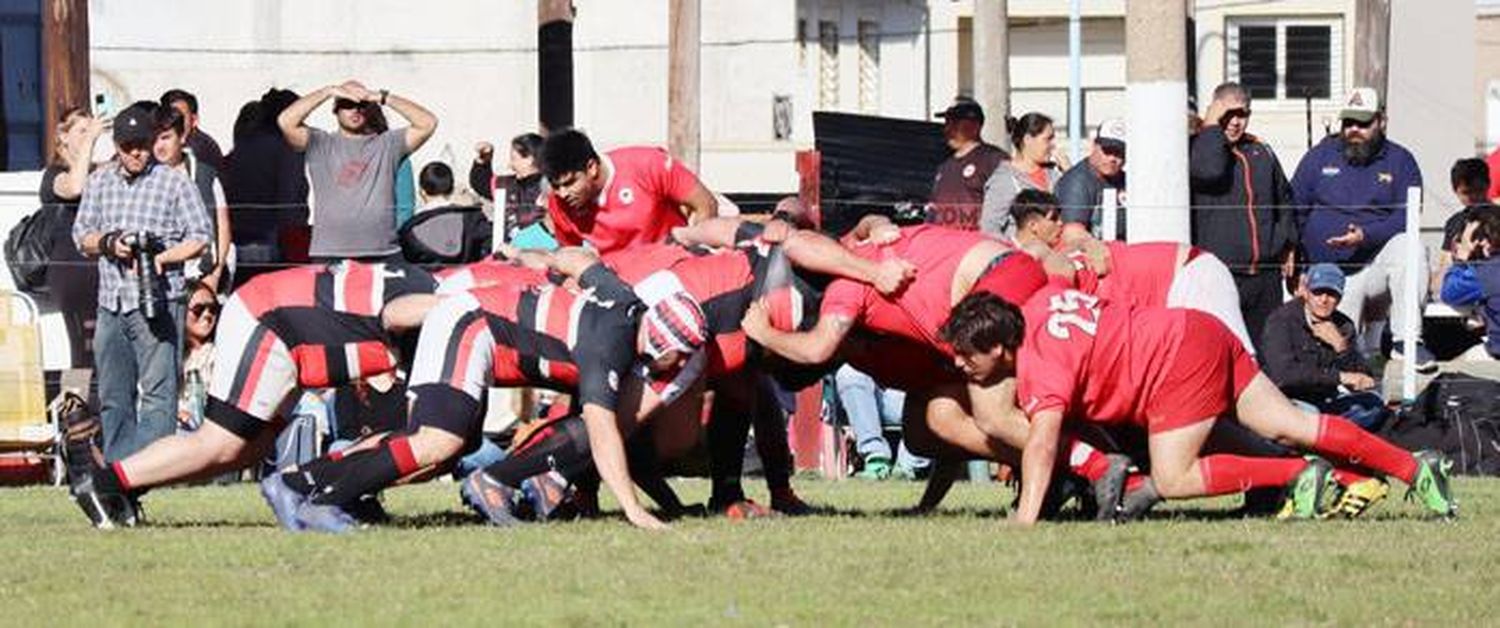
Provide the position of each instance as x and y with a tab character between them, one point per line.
641	518
893	275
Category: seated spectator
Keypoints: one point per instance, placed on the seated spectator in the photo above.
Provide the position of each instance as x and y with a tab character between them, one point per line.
1037	218
1080	191
1471	180
1311	354
1030	167
870	408
198	355
1474	279
523	186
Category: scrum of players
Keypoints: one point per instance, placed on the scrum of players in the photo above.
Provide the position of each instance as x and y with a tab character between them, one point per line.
1113	375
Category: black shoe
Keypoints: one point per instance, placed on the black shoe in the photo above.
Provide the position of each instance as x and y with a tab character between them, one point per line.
1135	504
1108	490
106	511
369	511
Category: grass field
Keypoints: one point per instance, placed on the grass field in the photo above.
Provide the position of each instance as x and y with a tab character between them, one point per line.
213	556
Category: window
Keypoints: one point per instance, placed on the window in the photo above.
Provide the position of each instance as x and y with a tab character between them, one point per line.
828	65
869	67
1286	58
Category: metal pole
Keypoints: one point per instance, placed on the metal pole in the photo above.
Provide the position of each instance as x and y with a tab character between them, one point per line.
1412	303
1075	81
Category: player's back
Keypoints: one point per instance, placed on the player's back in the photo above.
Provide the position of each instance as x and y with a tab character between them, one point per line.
331	304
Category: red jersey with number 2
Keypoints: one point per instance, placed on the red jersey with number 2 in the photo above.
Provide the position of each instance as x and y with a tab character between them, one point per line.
1092	359
640	204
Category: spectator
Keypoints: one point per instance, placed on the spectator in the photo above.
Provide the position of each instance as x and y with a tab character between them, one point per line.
353	170
1311	354
1080	191
523	187
1241	204
217	271
1029	167
1469	178
198	352
72	281
1350	193
958	189
203	146
1037	218
130	195
869	409
627	196
1474	279
265	184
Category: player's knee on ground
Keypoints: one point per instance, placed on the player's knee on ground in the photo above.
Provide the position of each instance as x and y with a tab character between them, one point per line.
431	446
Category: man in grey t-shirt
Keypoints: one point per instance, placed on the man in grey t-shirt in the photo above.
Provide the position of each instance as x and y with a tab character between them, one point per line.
353	170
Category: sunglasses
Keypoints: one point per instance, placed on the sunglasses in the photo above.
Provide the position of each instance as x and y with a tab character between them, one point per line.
345	103
1352	123
199	309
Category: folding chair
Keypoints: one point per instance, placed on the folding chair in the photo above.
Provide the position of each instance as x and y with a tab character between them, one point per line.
29	437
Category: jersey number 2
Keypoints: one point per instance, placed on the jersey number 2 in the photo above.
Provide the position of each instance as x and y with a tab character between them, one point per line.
1072	309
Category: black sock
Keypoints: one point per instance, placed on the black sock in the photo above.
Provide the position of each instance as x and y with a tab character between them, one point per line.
106	481
345	481
646	471
565	449
728	430
771	440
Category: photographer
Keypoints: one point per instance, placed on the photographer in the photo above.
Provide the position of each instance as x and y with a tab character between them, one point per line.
141	220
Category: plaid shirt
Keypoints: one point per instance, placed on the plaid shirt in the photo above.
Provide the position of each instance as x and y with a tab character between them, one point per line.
159	200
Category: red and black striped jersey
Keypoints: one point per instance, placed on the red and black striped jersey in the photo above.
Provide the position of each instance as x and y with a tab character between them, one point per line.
329	316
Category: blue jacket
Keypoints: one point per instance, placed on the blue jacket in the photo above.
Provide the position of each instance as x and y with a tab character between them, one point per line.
1330	194
1477	283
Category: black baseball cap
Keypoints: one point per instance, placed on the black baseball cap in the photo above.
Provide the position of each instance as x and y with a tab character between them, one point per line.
134	125
963	108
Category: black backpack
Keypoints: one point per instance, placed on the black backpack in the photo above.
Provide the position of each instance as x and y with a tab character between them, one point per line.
1458	415
28	249
446	235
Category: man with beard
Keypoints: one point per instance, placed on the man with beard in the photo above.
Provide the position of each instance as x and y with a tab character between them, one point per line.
1350	191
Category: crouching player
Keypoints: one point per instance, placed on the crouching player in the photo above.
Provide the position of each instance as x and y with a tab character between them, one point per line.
1173	373
583	343
311	326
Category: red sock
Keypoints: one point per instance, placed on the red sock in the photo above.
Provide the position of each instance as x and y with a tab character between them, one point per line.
406	461
1347	476
1086	461
1346	443
120	476
1224	474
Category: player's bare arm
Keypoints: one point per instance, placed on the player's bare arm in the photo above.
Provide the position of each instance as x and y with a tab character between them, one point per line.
1037	462
814	346
608	449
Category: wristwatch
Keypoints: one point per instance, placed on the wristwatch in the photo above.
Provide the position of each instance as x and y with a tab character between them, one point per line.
384	93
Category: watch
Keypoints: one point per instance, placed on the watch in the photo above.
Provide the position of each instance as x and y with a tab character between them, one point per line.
384	93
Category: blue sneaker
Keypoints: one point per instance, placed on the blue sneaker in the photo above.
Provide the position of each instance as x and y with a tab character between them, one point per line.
491	499
325	518
283	501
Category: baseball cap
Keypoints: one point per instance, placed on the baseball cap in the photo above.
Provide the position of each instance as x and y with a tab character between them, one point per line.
1111	133
963	108
135	124
1361	105
1325	277
676	322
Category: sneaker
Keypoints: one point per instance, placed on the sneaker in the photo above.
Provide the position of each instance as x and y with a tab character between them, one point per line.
325	518
746	509
283	501
1135	504
369	511
1359	496
786	502
876	468
903	473
1312	494
491	499
1109	488
1431	484
106	511
548	496
1426	362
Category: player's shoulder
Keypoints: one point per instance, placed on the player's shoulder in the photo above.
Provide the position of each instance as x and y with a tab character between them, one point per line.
641	156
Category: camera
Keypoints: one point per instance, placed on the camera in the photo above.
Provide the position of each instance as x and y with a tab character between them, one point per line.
144	246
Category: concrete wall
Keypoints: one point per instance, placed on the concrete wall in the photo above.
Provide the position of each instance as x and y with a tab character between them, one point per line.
1486	72
1431	105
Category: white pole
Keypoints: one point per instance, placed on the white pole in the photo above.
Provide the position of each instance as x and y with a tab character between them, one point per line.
1110	220
1413	289
1075	81
1156	98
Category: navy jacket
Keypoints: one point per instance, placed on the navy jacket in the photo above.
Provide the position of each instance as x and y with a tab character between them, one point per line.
1330	193
1241	201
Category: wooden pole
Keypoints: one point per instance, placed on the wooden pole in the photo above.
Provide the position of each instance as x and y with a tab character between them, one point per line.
1372	45
65	62
684	58
1157	97
992	67
554	64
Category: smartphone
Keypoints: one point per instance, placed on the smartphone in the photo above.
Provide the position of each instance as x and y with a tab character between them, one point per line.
104	106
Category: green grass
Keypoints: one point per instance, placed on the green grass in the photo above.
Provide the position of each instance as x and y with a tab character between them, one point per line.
212	555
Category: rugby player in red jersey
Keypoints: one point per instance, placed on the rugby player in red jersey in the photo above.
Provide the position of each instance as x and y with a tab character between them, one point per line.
623	198
309	327
1173	373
